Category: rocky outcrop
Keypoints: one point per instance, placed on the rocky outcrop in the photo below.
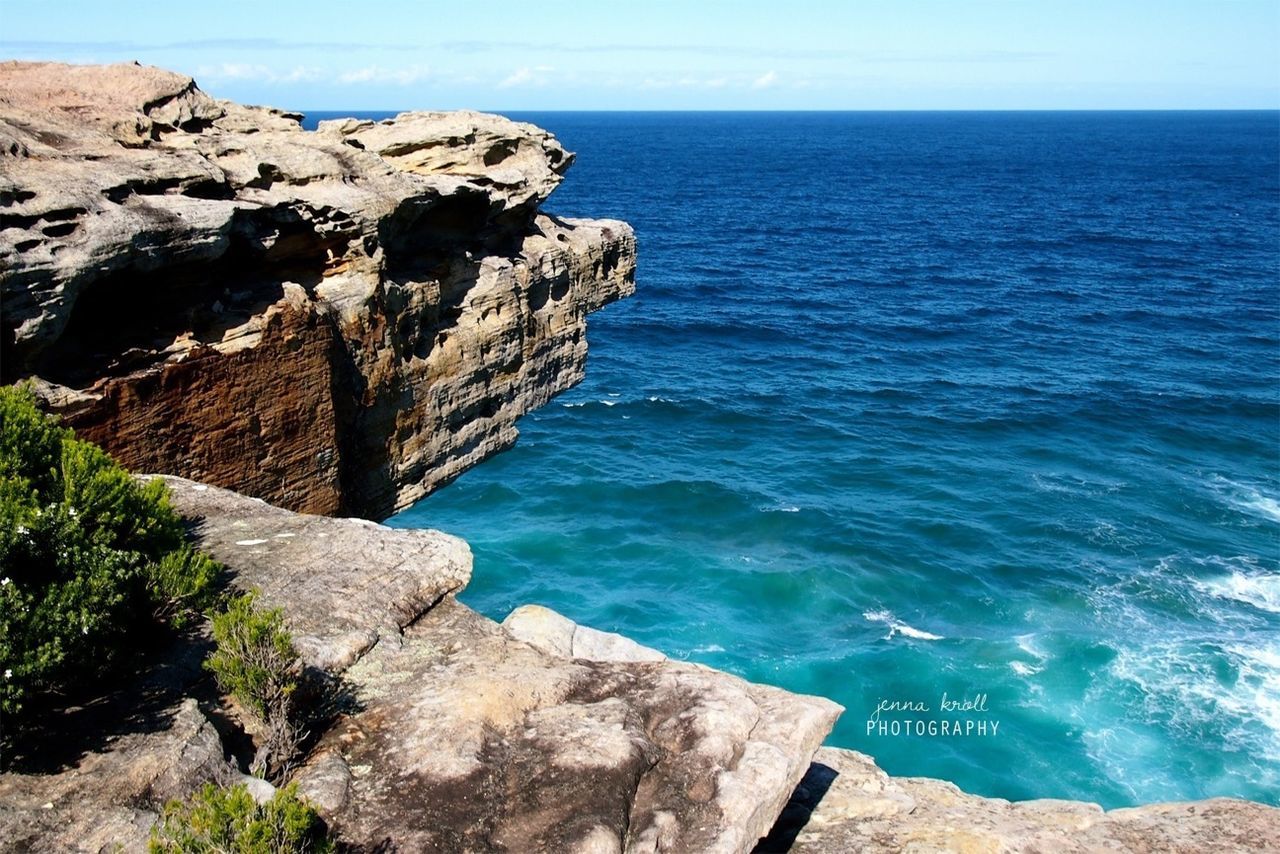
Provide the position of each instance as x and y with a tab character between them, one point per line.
470	736
455	733
338	321
346	583
846	803
109	800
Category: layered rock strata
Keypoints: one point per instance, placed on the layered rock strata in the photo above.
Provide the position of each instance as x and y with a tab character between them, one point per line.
338	321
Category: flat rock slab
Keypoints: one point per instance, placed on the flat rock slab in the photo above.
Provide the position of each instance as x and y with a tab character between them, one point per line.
468	736
345	583
472	740
846	803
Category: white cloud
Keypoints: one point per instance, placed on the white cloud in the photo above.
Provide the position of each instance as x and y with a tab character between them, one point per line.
260	73
378	74
303	74
233	71
764	81
526	76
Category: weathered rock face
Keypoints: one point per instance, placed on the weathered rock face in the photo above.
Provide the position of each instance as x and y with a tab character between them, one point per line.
846	803
347	583
470	736
110	800
337	321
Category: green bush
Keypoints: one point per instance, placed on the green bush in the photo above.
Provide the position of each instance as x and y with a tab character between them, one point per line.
88	557
229	820
255	662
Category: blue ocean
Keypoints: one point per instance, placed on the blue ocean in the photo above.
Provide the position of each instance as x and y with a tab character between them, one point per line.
983	404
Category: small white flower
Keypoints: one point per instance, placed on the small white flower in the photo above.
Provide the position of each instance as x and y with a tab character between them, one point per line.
5	582
71	511
8	674
84	630
23	531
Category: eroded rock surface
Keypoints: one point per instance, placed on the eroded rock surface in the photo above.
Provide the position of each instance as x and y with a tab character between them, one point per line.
336	321
846	803
110	799
469	738
346	583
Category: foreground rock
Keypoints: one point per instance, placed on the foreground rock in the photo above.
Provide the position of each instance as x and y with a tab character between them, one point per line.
109	800
537	735
337	321
543	736
846	803
346	583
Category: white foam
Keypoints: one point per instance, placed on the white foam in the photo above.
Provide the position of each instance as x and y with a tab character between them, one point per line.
1045	484
897	627
1023	669
711	647
1263	505
1177	680
1027	643
1247	498
1260	671
1068	484
1261	590
609	402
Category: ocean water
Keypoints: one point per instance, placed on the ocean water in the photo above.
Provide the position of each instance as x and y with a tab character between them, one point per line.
977	403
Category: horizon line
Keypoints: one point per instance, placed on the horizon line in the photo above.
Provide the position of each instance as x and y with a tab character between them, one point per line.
1275	109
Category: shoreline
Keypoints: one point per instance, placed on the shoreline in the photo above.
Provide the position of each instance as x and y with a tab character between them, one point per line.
303	330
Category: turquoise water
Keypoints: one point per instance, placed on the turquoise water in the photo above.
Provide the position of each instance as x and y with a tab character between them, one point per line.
984	404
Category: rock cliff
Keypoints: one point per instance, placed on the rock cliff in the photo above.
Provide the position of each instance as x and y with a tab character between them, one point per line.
338	321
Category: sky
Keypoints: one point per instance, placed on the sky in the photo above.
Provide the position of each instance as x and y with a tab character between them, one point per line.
665	55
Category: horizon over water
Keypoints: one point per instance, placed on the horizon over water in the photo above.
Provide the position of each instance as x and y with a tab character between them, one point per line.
984	403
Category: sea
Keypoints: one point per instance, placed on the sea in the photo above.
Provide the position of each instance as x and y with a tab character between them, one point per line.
954	418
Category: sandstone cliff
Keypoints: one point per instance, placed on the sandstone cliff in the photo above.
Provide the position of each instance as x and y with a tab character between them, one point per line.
340	321
336	321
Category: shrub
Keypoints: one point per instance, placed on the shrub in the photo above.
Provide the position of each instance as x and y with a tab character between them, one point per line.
88	556
255	662
229	820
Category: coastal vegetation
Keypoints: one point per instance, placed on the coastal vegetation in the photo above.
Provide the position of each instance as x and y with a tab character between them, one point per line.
256	663
93	560
228	819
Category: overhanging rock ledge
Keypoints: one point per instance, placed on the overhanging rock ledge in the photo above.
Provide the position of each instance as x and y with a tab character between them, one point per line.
337	321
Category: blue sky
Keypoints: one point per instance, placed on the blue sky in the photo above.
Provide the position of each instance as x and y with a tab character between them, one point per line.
717	54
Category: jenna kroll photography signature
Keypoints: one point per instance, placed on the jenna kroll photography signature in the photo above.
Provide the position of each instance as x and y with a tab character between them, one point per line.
966	716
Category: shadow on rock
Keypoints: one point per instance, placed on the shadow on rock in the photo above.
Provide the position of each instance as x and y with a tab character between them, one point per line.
808	794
